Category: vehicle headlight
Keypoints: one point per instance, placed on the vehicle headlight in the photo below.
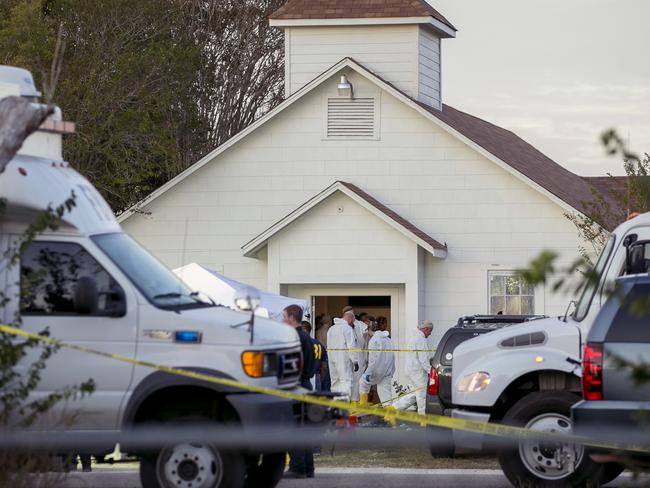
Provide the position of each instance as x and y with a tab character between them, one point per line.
474	382
258	364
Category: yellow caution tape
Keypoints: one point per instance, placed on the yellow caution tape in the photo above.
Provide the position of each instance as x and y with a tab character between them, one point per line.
381	350
473	426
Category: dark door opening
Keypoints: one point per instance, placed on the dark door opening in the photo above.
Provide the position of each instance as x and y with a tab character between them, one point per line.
327	308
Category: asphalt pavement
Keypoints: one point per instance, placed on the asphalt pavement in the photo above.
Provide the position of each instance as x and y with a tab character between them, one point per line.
351	478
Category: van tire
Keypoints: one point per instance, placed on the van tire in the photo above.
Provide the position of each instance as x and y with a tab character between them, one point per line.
534	406
265	470
230	464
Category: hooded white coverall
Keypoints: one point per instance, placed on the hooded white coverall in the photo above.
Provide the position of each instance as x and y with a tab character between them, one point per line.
418	366
341	363
381	367
361	335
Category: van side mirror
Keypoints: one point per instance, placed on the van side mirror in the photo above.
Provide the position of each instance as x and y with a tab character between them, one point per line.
117	300
638	257
86	296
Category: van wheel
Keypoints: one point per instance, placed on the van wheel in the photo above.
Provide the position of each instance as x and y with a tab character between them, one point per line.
192	465
265	470
547	464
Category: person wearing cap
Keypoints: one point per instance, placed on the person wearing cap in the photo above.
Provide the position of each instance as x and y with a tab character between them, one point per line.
381	365
418	366
361	335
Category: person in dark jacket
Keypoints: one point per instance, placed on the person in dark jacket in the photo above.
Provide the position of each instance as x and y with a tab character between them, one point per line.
302	460
321	368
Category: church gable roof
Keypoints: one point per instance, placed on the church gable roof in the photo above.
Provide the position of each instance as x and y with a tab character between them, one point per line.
364	199
357	9
499	145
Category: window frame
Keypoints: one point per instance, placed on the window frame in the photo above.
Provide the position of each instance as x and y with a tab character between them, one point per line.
120	288
506	273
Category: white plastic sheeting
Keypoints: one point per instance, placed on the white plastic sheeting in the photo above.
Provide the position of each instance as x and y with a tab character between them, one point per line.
222	289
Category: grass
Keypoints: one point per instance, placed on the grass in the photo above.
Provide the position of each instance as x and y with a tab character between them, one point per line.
400	458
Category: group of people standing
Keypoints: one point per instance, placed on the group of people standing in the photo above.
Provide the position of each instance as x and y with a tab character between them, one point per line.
355	354
361	355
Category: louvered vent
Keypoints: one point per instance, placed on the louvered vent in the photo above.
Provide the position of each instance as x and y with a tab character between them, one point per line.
351	118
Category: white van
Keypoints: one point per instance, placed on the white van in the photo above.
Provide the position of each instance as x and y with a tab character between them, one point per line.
91	285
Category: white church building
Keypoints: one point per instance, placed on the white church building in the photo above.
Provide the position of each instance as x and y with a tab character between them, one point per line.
363	187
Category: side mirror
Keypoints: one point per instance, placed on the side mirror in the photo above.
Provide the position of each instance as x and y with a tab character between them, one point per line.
638	257
86	296
117	302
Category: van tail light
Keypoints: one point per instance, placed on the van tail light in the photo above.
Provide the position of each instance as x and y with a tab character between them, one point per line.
433	382
592	372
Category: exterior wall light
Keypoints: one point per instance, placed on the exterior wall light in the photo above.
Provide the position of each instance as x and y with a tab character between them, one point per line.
345	88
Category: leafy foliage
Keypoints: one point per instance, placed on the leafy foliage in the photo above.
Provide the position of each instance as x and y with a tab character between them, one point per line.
613	208
153	85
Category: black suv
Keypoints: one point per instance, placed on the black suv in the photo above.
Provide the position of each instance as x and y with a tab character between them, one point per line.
617	344
439	391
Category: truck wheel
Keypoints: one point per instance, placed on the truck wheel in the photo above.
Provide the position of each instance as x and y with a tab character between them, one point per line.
441	442
192	465
610	472
544	464
265	470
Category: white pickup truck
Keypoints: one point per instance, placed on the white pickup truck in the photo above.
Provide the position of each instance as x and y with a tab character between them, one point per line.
530	374
92	285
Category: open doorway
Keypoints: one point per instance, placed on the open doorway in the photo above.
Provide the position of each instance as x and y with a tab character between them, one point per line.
326	308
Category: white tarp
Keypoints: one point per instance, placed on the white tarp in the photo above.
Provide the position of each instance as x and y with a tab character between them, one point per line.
222	290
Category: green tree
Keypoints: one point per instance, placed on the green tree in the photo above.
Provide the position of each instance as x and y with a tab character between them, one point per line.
608	210
153	85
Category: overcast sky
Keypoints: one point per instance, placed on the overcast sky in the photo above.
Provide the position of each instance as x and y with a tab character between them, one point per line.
556	72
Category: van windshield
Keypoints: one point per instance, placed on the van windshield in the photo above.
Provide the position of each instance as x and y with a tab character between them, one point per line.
590	290
157	283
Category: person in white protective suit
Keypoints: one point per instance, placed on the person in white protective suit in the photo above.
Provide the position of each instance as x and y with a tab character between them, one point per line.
343	363
381	365
418	366
361	334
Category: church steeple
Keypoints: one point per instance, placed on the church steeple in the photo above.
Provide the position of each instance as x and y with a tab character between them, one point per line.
399	40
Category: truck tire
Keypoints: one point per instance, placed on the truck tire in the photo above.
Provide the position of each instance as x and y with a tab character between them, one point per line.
265	470
441	442
610	472
192	465
533	463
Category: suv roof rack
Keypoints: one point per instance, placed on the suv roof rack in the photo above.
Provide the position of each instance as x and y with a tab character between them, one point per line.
494	321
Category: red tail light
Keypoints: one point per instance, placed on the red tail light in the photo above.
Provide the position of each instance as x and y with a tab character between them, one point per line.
592	372
433	382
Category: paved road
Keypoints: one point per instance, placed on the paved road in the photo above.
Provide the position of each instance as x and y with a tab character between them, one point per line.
350	478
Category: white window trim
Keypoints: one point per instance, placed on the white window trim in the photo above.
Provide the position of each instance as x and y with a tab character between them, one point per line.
538	292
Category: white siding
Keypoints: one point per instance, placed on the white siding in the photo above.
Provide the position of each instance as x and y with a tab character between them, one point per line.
391	51
490	219
429	77
408	56
339	241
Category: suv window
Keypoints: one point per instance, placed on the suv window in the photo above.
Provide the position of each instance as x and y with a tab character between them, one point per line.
630	323
447	356
49	273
